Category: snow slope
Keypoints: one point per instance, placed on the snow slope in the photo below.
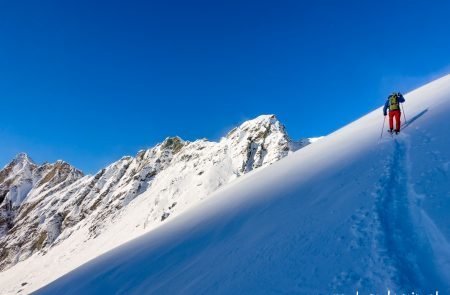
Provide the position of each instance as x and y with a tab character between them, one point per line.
351	212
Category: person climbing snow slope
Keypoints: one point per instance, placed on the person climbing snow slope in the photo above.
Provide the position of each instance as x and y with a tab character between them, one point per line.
393	104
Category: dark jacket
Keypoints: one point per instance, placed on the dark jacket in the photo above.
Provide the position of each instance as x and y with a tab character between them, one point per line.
401	99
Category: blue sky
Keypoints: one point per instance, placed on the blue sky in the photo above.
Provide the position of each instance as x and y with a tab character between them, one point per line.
91	81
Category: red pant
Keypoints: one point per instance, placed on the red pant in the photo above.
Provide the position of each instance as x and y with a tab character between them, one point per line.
394	114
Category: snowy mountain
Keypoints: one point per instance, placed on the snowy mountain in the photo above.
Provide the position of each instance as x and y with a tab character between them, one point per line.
352	212
44	206
22	181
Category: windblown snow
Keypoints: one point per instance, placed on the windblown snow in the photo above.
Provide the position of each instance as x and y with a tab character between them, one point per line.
350	213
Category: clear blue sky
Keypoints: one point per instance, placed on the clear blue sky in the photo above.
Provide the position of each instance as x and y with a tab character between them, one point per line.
90	81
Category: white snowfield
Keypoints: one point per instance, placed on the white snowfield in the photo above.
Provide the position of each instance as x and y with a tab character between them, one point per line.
348	213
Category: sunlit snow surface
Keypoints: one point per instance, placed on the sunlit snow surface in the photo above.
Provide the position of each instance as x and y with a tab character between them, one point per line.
351	212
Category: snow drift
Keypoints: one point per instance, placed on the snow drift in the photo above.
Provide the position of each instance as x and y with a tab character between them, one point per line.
351	212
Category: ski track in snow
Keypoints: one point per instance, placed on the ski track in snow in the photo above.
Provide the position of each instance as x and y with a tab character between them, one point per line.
405	235
396	237
408	251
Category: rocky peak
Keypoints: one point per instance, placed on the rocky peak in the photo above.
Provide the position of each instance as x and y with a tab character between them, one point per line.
58	172
174	144
258	127
22	180
16	180
22	158
258	142
21	165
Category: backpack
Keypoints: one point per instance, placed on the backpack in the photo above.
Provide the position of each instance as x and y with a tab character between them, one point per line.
393	102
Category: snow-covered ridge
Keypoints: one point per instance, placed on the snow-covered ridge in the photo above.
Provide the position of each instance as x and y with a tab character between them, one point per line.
43	205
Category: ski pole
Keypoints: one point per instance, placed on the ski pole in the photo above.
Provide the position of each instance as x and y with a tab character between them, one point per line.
382	128
404	115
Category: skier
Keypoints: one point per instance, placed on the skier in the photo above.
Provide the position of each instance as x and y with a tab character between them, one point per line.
393	104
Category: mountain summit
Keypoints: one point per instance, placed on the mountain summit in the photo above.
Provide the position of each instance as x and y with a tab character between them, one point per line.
22	179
